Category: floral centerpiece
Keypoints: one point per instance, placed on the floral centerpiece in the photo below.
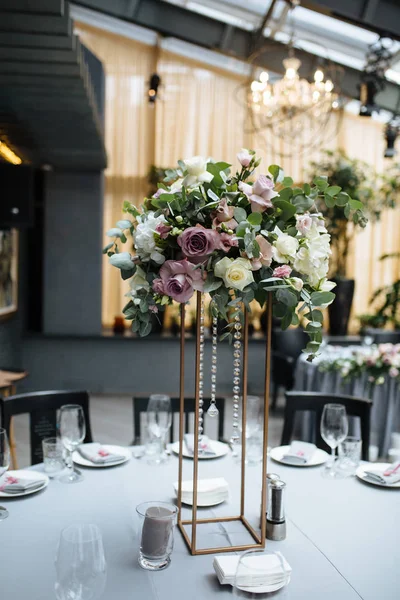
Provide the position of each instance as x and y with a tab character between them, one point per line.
209	230
377	361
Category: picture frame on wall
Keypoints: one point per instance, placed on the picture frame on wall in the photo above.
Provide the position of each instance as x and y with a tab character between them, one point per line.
8	273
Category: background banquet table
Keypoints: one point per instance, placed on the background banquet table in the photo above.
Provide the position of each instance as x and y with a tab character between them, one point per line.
341	540
385	414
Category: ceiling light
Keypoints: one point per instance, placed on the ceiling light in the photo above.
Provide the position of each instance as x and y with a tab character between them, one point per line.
9	155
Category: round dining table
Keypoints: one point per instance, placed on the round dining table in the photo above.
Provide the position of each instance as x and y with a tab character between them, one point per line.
342	534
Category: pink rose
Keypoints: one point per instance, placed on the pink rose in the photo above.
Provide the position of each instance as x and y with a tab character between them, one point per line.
260	193
153	308
163	230
224	214
304	223
198	243
244	157
282	271
227	241
393	372
179	279
265	257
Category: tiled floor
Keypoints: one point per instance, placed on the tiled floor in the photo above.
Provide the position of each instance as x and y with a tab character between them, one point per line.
112	422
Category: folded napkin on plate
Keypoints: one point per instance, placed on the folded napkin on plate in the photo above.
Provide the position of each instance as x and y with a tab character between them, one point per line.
99	455
299	453
269	569
388	477
204	447
18	485
208	490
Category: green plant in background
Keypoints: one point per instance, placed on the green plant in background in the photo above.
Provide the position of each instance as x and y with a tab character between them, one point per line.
361	182
388	310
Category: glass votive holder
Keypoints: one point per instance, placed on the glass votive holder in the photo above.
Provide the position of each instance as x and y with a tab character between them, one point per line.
349	455
254	449
53	456
157	523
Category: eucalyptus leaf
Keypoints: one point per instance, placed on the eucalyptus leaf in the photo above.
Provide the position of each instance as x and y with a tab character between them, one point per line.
332	190
239	214
255	218
321	298
123	261
124	224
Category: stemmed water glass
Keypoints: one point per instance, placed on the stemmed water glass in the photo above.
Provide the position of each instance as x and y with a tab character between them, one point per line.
159	420
80	564
4	464
72	430
334	428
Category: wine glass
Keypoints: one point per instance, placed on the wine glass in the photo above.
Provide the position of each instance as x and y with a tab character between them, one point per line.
72	432
80	564
334	428
4	464
259	574
159	420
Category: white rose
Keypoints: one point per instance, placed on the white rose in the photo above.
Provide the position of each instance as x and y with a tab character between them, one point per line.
139	282
197	171
285	248
236	273
143	237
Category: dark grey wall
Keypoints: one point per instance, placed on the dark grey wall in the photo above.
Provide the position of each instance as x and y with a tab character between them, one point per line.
72	256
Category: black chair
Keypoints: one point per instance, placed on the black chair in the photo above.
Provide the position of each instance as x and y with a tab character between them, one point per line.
42	409
315	402
286	348
140	406
381	336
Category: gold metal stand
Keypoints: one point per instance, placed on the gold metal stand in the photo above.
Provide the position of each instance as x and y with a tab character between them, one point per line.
259	539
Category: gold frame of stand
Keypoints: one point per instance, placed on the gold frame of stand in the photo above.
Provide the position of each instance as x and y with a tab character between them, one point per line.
259	540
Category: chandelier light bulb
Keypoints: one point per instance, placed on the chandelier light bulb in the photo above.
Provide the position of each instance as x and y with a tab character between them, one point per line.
328	85
254	86
264	77
318	76
335	104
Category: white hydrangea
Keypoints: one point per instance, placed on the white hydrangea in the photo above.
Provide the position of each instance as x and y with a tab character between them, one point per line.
312	259
143	237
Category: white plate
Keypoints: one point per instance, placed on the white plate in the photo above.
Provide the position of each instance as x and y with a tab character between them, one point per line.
126	452
34	475
202	503
265	589
319	457
380	467
219	448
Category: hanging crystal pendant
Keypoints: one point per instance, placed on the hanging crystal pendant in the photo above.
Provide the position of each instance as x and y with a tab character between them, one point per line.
201	368
237	354
212	409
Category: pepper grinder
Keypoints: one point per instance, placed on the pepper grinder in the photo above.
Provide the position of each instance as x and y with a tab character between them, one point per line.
276	524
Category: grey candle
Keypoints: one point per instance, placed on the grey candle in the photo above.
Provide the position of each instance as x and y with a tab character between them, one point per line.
156	531
157	537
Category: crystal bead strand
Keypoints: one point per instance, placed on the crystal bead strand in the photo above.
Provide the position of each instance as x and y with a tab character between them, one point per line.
237	354
212	409
201	368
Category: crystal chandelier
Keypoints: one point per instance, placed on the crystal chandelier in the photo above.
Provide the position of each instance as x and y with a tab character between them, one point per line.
293	108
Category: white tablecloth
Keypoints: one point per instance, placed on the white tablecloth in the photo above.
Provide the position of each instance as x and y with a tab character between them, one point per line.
385	414
342	538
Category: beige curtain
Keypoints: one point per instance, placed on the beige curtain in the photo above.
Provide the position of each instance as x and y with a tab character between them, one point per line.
201	110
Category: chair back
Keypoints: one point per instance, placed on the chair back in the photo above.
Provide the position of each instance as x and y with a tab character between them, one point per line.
140	406
315	402
381	336
289	342
42	409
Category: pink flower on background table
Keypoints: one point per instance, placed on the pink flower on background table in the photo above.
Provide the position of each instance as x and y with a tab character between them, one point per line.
163	230
282	271
227	241
394	372
244	157
178	279
198	243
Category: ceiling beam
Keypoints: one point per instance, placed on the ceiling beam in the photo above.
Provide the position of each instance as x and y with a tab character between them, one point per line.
381	16
44	7
175	21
